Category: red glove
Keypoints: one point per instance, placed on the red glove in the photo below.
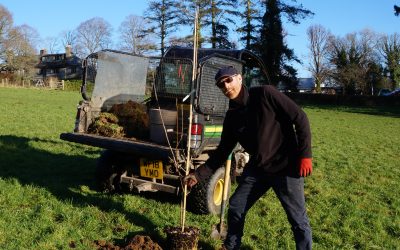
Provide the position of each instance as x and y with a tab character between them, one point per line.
305	167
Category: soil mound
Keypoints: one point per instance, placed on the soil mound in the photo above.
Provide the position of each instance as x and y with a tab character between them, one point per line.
138	242
142	242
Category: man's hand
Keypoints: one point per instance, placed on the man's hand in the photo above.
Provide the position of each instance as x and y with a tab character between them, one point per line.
201	173
190	180
305	168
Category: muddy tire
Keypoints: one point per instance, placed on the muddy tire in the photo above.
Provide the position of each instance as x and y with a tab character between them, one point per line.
108	172
206	197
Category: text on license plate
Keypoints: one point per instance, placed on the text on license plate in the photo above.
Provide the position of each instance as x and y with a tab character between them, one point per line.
151	168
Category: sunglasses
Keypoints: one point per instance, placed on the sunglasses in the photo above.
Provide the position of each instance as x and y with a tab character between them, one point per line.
221	84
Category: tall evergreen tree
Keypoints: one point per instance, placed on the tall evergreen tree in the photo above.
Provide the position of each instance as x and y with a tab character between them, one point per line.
221	38
271	44
187	19
251	21
272	47
396	10
164	17
221	12
213	14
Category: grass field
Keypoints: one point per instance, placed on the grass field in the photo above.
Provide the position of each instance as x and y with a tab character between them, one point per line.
48	200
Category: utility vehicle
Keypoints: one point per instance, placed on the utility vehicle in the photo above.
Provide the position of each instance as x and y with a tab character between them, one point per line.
165	86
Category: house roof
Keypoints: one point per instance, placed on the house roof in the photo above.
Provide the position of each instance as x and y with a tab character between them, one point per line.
66	61
305	84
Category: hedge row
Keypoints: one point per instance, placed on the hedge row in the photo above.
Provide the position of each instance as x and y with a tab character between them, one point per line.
345	100
75	85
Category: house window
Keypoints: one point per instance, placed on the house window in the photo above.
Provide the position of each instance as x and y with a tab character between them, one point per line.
48	59
59	57
71	70
51	71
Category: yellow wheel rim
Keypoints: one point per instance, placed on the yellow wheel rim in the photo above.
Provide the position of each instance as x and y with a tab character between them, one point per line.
218	192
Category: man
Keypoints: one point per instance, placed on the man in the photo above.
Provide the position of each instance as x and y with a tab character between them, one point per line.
276	133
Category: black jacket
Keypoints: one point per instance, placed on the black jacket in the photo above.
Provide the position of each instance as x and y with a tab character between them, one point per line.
270	127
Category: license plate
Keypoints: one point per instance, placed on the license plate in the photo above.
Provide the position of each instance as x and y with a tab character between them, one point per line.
151	168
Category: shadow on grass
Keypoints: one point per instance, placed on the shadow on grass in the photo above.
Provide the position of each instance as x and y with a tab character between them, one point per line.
378	110
60	174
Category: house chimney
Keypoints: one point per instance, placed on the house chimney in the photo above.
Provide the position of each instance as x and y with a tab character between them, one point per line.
43	52
68	51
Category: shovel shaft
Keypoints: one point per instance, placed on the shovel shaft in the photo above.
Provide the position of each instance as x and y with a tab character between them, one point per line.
225	190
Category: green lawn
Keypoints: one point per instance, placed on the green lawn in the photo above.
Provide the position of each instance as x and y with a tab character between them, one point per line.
48	201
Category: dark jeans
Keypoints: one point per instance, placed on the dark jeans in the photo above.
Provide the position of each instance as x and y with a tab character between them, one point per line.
252	186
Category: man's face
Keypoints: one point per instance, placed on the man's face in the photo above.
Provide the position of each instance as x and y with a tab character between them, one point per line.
230	86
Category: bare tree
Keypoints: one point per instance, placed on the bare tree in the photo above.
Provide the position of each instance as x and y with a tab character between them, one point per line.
6	23
68	37
93	35
17	45
318	37
133	36
389	48
22	40
354	58
52	44
20	49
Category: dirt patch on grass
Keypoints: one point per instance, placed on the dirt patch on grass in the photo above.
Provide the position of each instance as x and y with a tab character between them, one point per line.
176	239
138	242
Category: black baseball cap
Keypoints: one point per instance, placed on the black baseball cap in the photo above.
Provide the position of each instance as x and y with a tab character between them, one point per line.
225	72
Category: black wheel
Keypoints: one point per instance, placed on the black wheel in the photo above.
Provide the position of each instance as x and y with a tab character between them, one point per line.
206	197
108	171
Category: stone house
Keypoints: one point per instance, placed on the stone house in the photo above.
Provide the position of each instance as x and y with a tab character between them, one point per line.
62	66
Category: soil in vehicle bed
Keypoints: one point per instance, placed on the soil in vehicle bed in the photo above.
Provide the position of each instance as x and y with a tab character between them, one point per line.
128	120
106	124
133	118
